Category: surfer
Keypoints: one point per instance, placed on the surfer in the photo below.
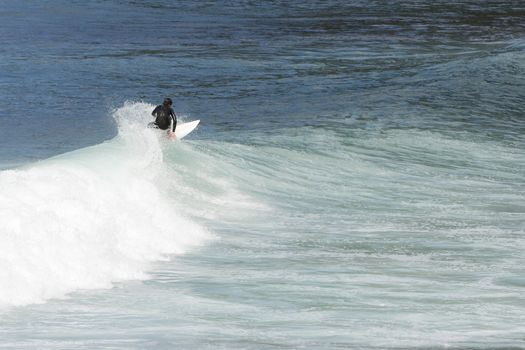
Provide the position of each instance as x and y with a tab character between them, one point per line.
165	118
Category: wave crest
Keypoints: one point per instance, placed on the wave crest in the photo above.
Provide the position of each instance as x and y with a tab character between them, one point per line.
91	217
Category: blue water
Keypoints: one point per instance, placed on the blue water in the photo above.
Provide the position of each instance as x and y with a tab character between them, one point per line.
356	182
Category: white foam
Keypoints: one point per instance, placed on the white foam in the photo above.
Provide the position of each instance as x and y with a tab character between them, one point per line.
89	218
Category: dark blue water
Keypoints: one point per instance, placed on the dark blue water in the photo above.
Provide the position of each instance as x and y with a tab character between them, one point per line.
356	180
65	65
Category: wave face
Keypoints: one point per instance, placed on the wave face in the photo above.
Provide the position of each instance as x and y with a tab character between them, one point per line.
91	217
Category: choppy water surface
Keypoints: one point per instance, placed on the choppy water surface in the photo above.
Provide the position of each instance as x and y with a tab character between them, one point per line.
357	180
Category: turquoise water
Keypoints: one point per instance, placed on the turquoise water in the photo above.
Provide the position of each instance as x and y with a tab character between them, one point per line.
357	180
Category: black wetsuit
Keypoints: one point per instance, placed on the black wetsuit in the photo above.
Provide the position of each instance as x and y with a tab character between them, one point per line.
165	118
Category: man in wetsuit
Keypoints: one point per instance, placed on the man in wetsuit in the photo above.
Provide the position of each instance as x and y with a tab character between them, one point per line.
165	117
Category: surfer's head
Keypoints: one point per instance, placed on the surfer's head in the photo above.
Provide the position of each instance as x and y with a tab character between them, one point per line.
167	101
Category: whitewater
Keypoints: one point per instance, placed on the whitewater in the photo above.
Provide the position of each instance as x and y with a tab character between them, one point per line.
85	219
413	223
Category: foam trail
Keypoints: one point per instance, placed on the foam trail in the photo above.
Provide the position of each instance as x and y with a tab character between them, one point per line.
89	218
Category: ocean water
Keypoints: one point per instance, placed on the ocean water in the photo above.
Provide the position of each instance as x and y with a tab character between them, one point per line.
357	180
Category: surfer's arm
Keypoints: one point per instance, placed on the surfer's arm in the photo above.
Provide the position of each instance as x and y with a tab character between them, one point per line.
173	122
154	113
173	125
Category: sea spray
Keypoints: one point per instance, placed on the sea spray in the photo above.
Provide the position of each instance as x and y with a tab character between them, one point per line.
91	217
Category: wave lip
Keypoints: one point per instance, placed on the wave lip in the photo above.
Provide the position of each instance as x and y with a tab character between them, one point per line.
88	218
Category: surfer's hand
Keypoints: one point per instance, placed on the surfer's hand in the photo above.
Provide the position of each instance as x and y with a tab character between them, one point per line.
171	135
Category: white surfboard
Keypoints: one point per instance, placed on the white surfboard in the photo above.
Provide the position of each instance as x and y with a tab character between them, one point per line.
185	128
